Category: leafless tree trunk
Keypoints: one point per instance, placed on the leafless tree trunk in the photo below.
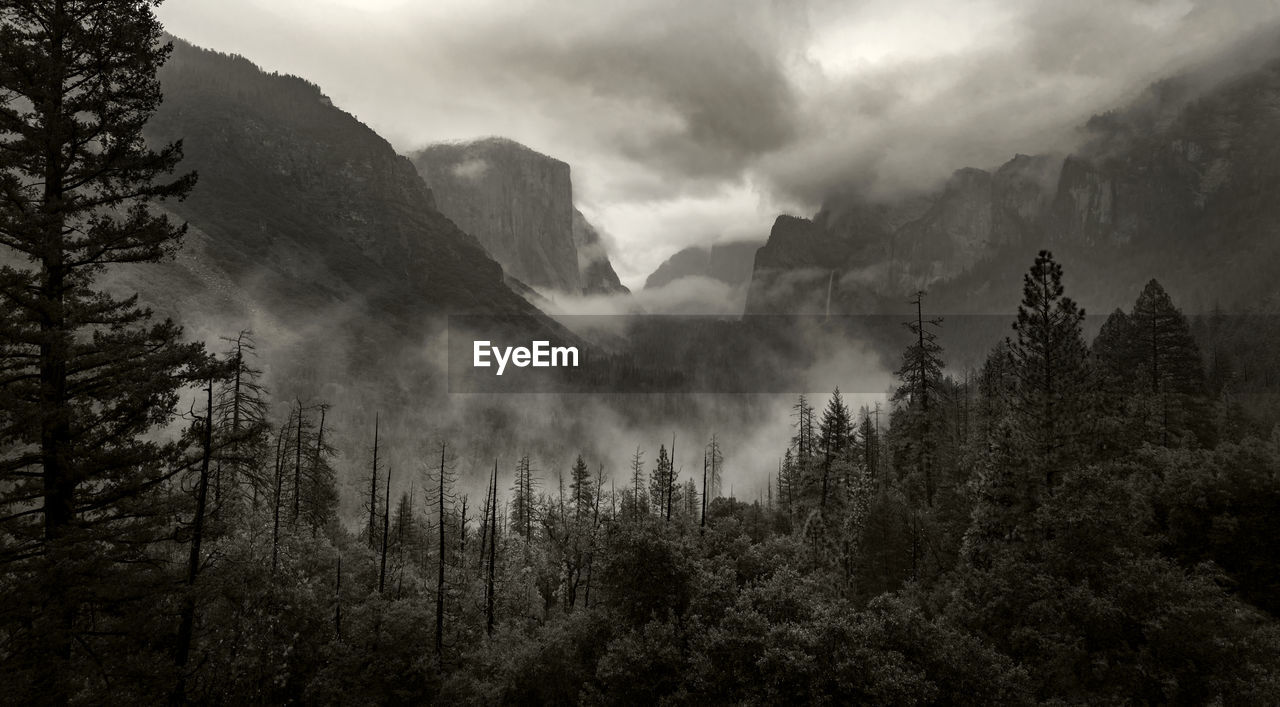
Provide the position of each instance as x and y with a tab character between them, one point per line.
187	623
386	528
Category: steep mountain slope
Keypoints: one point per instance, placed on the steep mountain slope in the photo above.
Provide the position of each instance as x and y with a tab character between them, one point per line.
596	272
308	228
729	263
1177	186
519	204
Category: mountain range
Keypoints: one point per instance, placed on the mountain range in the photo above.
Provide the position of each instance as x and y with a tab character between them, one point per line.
306	223
1179	185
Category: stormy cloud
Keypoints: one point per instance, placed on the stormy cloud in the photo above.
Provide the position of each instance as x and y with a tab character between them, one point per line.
695	122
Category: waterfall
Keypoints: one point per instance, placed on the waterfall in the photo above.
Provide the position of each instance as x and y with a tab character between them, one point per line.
830	279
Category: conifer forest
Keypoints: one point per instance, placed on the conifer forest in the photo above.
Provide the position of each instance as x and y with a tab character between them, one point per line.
230	475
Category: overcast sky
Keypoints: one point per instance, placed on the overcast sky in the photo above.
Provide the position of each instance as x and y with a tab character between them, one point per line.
693	121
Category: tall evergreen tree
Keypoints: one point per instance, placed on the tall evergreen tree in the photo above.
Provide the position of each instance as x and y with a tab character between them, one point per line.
581	489
242	430
917	418
639	499
320	491
662	482
1115	360
371	503
85	377
788	482
804	443
1173	377
835	440
522	509
1050	368
869	442
715	468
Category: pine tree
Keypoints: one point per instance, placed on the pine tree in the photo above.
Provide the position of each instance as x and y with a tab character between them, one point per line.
869	439
320	491
443	481
835	437
689	499
639	499
242	429
715	467
1115	355
371	504
490	589
662	482
996	384
522	509
918	417
921	370
384	544
186	625
85	377
1115	360
277	494
582	489
404	532
1049	366
1003	497
1172	369
788	482
804	443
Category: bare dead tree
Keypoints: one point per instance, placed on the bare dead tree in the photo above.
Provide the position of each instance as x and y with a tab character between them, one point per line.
373	488
493	548
186	625
386	529
275	504
440	562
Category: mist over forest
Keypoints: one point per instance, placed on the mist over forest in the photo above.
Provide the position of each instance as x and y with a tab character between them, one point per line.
967	420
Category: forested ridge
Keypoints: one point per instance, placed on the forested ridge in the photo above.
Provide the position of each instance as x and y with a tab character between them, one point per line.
1074	521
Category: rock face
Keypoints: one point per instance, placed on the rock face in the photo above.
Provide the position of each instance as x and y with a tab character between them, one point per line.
1173	187
730	263
594	268
519	204
308	228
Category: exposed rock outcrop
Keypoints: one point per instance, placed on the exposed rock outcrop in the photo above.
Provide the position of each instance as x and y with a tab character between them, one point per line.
730	263
1175	187
519	204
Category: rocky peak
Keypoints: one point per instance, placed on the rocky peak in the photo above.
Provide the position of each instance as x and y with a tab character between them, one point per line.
594	268
730	263
518	203
1176	185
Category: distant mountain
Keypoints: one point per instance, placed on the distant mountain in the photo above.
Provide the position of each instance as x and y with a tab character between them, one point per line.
730	263
594	268
308	228
1179	186
519	204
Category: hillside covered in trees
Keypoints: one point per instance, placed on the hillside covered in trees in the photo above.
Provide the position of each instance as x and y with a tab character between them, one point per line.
1079	520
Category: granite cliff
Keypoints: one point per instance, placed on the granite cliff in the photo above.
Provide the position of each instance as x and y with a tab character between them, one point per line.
519	204
1174	186
729	263
308	228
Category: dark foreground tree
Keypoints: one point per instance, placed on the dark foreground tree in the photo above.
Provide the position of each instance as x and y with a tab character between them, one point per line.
1049	364
84	376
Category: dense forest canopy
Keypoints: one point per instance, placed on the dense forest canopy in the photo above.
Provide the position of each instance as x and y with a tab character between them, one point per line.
1074	521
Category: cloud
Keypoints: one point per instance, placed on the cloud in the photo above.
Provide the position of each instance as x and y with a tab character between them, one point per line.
684	121
685	296
471	170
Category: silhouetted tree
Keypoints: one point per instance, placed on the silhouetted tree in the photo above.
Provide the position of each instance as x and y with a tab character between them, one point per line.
1050	369
85	377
